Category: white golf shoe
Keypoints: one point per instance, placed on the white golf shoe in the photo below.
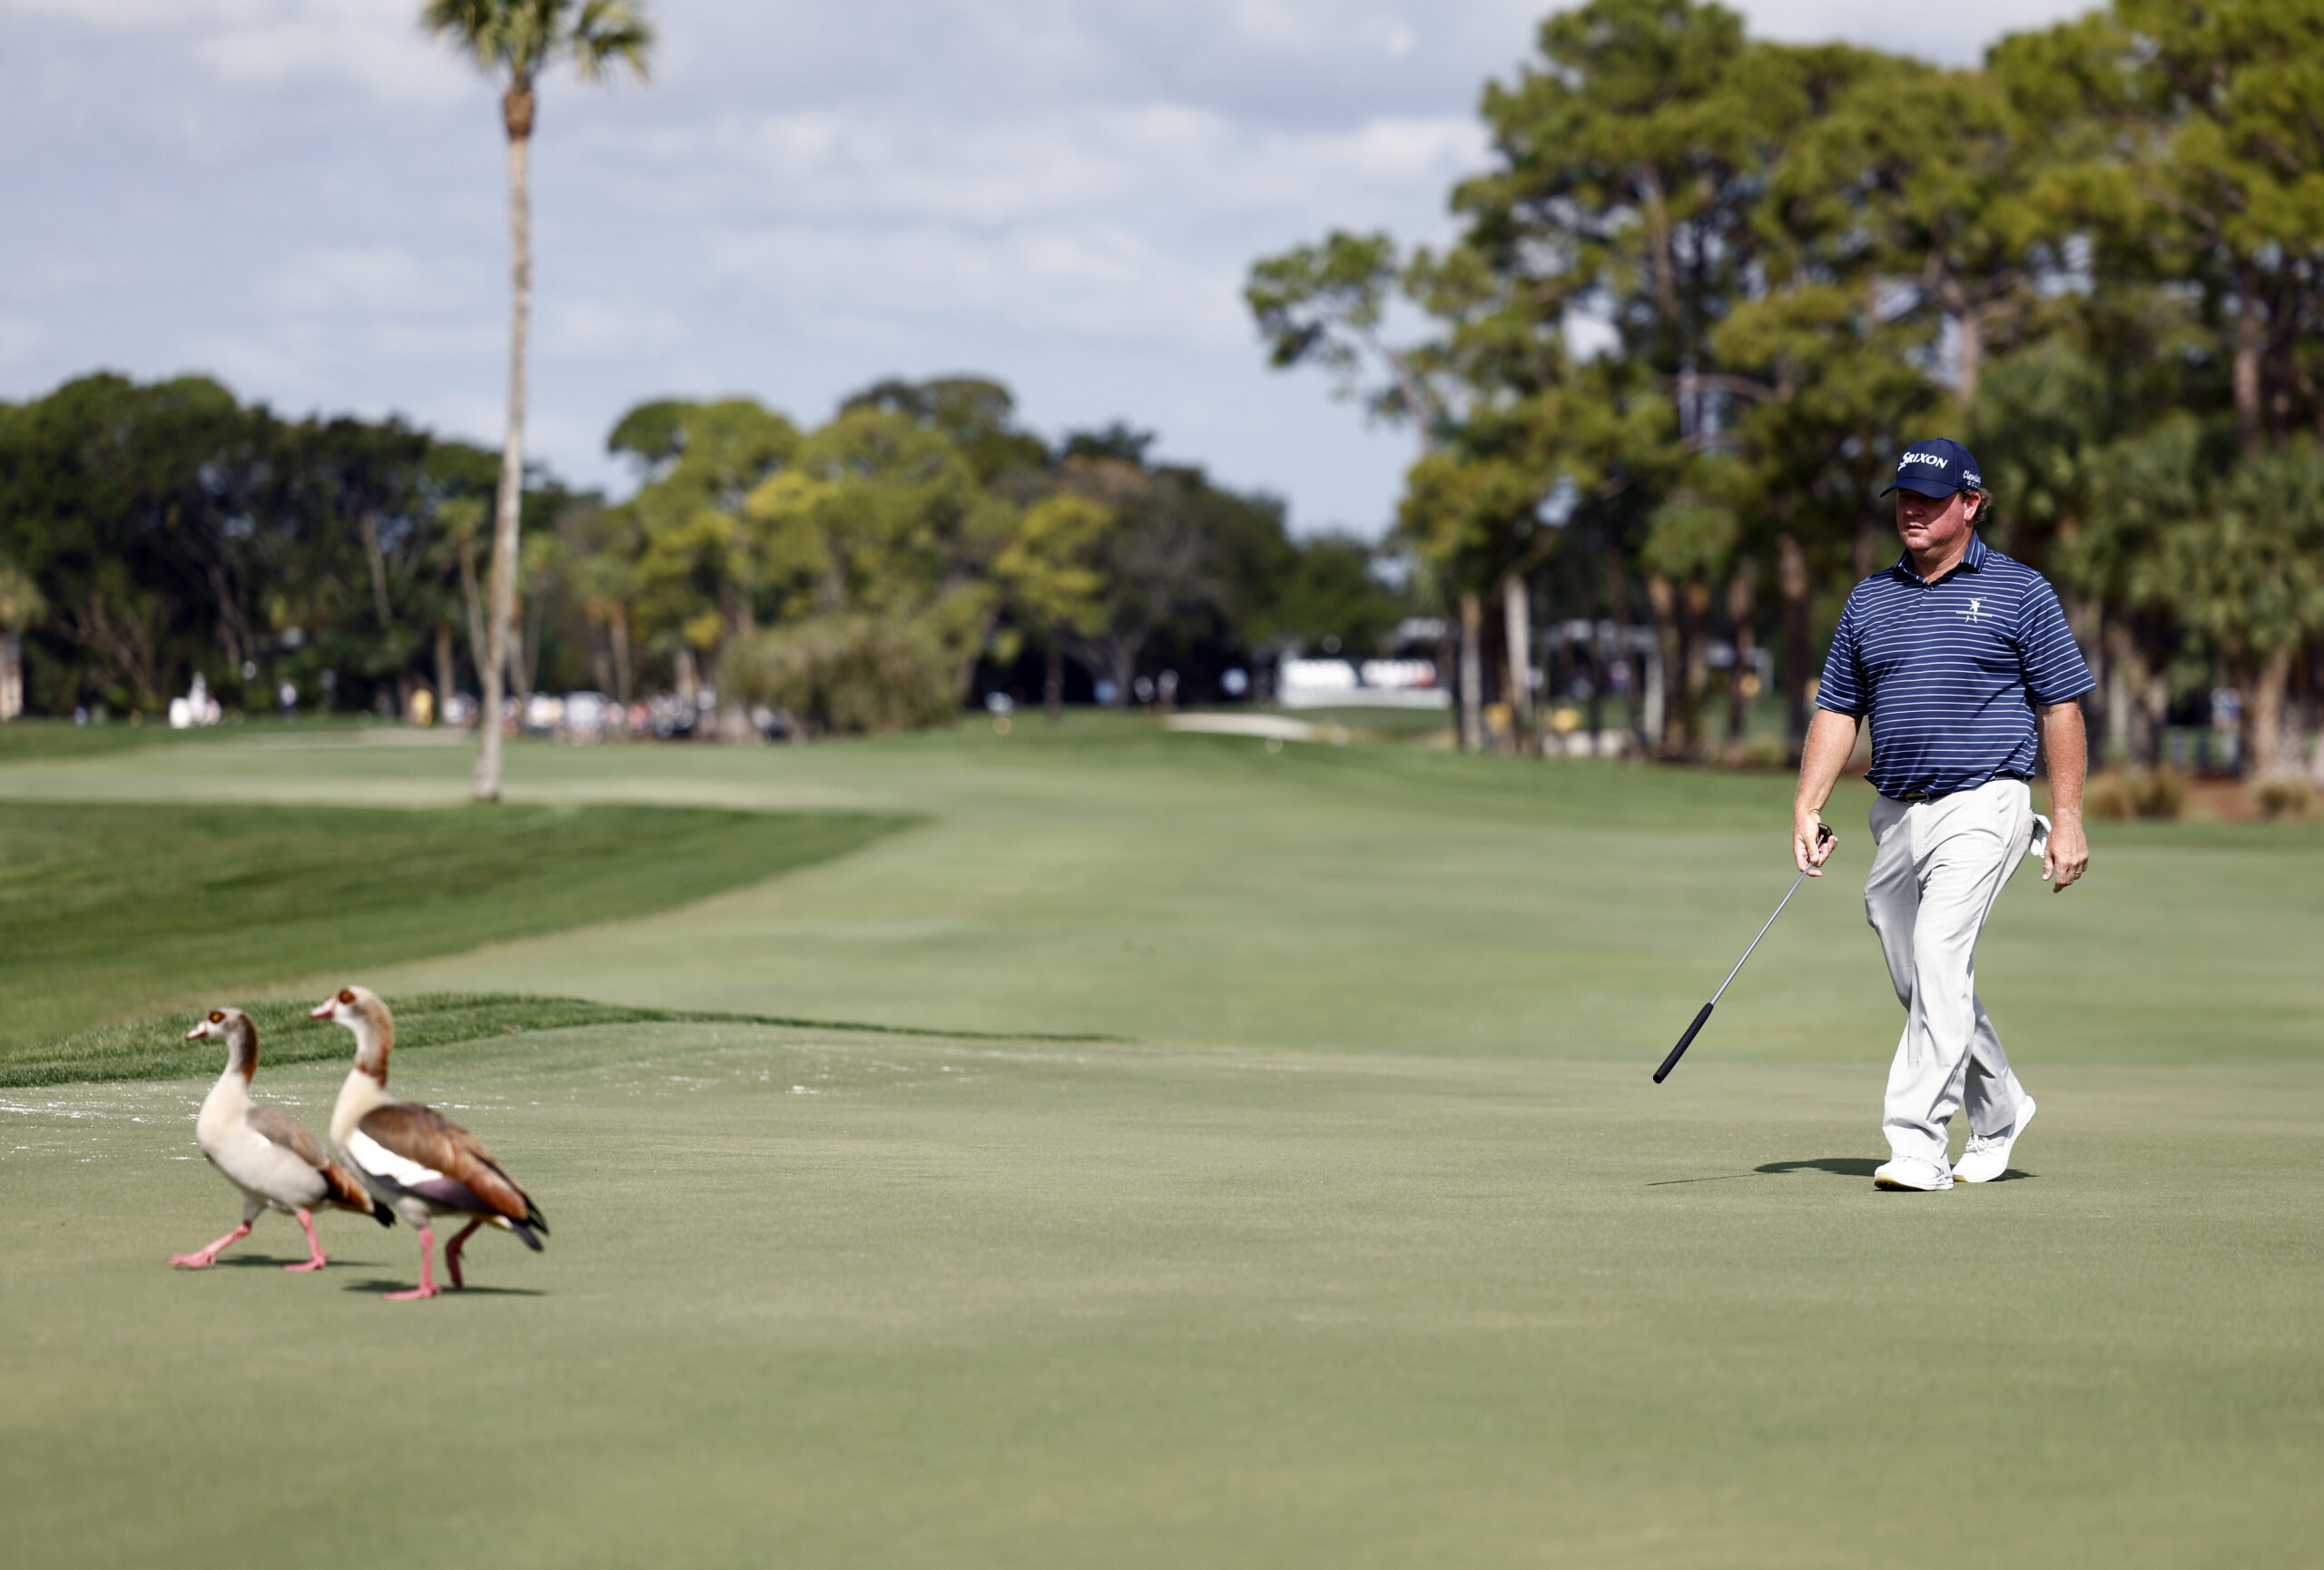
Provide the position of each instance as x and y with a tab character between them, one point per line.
1911	1172
1986	1156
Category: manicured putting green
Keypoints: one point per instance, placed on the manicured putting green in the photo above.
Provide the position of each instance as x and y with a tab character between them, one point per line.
837	1303
107	910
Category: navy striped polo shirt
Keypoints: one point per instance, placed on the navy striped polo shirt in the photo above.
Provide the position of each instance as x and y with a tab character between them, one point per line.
1950	671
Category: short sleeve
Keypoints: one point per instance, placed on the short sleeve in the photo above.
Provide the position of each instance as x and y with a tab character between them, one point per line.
2055	669
1842	686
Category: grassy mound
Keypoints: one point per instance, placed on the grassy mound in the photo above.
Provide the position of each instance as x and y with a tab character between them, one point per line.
108	910
156	1048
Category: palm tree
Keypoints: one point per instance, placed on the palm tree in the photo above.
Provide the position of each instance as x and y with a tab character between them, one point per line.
20	606
515	41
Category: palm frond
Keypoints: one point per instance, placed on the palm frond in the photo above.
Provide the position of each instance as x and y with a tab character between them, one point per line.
608	32
524	37
476	26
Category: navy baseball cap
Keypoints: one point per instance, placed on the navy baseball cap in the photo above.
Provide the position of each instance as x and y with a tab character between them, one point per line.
1936	469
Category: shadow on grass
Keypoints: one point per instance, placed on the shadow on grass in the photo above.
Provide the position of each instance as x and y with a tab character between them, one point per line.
254	1261
1860	1167
389	1284
1838	1166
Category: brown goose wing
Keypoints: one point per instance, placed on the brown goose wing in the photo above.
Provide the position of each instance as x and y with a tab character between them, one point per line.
281	1129
456	1170
340	1187
350	1195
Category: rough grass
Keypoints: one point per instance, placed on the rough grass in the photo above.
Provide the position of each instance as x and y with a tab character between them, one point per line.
108	910
25	740
156	1047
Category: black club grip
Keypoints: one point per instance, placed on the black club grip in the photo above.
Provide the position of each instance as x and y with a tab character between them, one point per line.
1679	1051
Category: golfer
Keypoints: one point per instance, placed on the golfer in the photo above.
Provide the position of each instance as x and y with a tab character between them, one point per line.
1956	655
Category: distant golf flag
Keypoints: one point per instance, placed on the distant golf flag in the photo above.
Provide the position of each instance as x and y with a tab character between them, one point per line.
1823	833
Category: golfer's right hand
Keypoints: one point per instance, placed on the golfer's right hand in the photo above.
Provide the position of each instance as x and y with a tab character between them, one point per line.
1812	842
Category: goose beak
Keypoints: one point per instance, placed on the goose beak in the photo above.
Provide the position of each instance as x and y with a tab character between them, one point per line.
323	1010
198	1032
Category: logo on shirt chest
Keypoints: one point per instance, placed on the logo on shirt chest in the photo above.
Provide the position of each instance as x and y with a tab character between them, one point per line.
1976	611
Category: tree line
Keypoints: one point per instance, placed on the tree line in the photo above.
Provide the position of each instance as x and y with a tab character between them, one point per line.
877	571
1710	286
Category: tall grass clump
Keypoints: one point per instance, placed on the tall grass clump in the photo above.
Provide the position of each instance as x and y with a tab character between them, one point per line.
849	675
2137	793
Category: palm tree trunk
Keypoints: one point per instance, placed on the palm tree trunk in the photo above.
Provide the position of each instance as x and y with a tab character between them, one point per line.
2263	717
11	673
516	110
1472	672
1792	567
371	552
1695	641
1053	679
2250	340
1742	676
444	682
601	653
617	627
1517	646
1662	599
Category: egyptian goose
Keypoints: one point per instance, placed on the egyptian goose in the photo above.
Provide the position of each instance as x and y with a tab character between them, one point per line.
413	1157
263	1151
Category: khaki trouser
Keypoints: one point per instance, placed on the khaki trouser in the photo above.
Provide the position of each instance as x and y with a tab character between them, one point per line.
1937	869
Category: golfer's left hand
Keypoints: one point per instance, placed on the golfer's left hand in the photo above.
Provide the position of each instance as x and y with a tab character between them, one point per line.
2067	855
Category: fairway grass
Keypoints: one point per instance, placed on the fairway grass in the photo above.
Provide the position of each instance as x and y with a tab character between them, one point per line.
1106	877
832	1302
1363	1239
108	909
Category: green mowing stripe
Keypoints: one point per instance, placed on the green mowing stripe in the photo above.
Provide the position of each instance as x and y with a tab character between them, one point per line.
32	740
156	1048
108	910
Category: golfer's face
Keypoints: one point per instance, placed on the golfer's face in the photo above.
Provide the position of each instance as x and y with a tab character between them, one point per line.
1930	523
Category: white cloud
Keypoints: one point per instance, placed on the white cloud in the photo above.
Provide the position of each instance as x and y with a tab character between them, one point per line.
1063	193
1956	34
20	341
1166	159
572	331
367	280
121	14
1099	286
376	44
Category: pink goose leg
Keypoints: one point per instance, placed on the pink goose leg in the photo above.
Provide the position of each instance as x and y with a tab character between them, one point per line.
202	1258
427	1287
452	1252
319	1259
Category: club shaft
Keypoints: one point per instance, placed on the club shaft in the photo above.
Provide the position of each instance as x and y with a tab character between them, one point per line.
1754	941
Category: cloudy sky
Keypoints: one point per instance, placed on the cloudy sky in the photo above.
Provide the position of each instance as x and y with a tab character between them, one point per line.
305	198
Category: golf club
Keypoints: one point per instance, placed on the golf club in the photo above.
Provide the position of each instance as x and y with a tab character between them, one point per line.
1823	833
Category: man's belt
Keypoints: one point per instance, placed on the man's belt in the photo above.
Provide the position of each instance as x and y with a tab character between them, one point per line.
1916	796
